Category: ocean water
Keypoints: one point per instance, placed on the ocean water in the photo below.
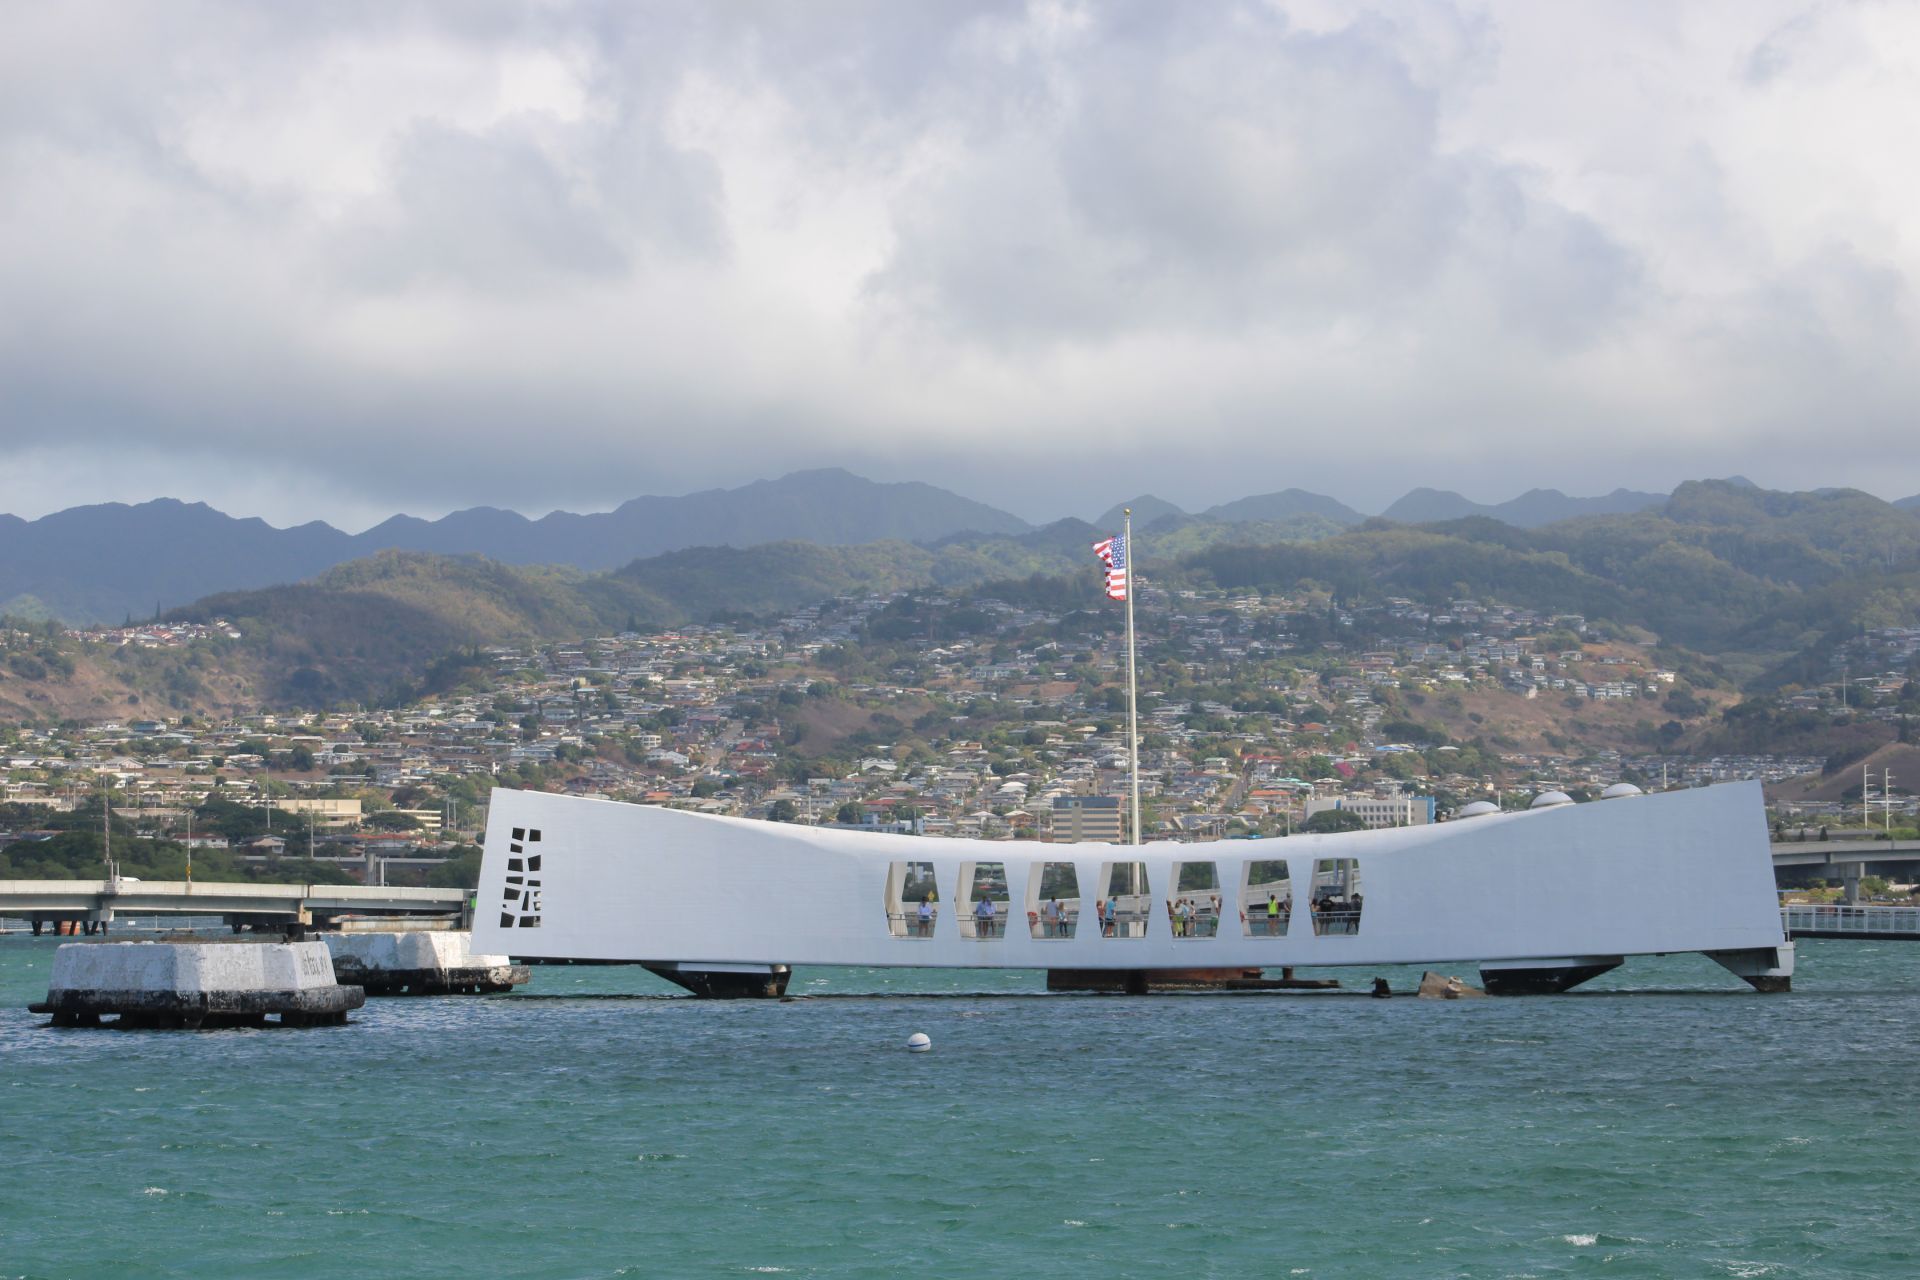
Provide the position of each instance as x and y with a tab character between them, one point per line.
1664	1122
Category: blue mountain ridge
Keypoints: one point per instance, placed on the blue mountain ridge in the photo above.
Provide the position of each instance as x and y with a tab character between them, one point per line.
104	562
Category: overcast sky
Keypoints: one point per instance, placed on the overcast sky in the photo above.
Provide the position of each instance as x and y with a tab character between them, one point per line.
339	260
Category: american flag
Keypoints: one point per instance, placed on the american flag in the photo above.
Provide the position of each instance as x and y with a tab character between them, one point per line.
1113	554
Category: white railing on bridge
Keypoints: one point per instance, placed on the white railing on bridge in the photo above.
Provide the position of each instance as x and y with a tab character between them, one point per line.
1842	919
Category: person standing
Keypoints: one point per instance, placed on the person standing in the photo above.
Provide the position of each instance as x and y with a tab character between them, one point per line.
983	914
926	917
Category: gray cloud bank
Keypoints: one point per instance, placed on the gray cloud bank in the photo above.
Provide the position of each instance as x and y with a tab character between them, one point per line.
333	261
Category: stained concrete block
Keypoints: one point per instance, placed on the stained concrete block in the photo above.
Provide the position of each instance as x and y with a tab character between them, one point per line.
196	984
189	966
1440	986
420	962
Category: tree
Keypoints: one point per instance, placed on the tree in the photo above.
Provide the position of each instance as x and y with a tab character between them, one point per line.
848	813
392	821
783	811
217	816
461	871
1330	820
1682	702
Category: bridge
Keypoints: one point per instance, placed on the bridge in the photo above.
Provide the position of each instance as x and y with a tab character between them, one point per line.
95	904
1844	860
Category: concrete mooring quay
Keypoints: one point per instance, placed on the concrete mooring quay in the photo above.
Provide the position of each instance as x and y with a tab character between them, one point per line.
420	962
191	986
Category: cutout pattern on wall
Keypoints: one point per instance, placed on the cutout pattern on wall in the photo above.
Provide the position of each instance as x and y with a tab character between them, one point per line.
520	903
985	902
1266	898
1053	900
912	900
1194	910
1336	897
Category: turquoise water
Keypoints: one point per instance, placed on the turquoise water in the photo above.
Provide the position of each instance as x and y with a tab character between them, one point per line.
1667	1124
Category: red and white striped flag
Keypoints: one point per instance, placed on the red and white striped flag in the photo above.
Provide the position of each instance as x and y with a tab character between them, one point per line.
1113	554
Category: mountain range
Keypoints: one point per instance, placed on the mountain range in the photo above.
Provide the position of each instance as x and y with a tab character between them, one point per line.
1530	510
103	563
1761	584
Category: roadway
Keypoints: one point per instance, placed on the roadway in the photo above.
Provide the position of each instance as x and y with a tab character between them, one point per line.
1817	853
96	902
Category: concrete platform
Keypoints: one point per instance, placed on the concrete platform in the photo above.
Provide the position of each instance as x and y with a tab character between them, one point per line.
195	985
1140	982
420	962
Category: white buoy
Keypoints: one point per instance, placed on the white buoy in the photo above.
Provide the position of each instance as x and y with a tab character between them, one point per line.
918	1042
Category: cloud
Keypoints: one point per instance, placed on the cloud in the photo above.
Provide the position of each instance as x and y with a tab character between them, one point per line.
327	262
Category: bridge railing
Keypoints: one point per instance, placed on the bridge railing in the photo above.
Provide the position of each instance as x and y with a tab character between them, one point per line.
1840	918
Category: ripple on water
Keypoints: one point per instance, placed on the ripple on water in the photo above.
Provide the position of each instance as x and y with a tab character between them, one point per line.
619	1130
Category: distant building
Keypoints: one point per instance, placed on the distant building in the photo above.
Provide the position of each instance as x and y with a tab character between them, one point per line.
326	812
429	819
1376	812
1082	818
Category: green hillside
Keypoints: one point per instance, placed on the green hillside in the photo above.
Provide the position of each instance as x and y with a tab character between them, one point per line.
1765	583
361	629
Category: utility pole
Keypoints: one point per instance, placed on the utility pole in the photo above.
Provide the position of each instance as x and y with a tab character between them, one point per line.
106	825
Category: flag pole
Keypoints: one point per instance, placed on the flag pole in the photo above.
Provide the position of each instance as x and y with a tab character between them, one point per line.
1133	690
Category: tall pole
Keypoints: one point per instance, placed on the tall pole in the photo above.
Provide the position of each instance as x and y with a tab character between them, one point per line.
1886	800
1866	796
106	824
189	845
1133	691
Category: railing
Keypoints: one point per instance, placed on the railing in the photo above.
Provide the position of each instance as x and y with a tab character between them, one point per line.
908	924
1129	922
24	897
1200	924
1843	919
1257	924
1260	925
1336	923
1060	930
984	927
